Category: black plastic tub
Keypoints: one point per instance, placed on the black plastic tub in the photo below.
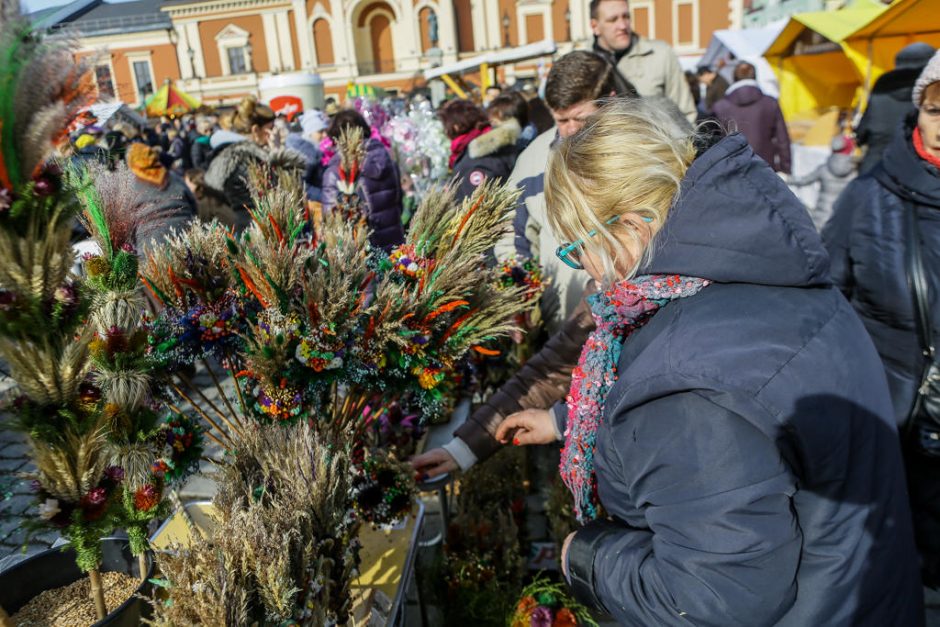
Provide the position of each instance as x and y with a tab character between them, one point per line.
56	568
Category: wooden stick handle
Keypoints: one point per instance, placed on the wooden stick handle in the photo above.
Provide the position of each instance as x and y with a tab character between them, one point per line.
142	565
5	619
97	594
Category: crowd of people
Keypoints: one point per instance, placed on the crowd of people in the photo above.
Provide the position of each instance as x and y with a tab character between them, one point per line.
744	388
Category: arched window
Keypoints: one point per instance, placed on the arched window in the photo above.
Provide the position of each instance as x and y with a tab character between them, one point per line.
380	33
323	42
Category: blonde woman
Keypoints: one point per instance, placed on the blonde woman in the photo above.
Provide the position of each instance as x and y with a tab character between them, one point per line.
729	440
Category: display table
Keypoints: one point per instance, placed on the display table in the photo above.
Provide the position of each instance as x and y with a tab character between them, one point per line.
386	568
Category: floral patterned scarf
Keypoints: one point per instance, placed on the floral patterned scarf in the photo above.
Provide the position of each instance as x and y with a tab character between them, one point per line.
618	312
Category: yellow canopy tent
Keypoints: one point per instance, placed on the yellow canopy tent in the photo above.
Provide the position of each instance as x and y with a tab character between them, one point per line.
873	46
809	56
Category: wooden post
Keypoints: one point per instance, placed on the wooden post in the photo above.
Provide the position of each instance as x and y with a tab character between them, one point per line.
5	619
142	565
97	594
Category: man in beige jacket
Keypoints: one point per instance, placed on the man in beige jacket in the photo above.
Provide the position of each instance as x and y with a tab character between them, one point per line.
650	64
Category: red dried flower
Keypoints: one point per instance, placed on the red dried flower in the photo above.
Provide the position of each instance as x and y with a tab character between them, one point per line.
146	498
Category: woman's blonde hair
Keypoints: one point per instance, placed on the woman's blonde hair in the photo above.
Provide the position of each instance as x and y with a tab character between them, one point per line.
629	158
250	113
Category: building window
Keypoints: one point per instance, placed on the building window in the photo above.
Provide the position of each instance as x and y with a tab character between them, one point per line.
143	77
103	79
237	62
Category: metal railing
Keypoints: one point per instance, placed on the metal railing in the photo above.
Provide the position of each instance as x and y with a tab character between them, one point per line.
106	23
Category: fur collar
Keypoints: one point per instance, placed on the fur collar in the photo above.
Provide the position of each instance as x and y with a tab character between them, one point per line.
501	136
232	158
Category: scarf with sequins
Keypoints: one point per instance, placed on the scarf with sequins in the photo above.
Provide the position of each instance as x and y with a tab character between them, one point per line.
618	311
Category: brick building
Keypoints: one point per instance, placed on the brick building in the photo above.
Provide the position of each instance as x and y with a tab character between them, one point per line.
219	49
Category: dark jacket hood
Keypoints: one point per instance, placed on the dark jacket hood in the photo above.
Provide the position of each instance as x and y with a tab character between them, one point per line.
904	173
736	221
377	160
897	83
744	93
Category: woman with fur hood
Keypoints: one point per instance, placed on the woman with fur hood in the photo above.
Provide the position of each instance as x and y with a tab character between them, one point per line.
244	142
478	151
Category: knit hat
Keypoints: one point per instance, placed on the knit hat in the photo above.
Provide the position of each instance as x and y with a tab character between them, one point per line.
929	76
312	121
913	56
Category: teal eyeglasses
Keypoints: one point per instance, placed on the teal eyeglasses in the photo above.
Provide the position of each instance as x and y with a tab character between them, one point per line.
570	254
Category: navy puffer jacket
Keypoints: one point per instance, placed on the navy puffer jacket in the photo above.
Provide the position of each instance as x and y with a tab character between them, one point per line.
380	186
867	241
748	454
867	244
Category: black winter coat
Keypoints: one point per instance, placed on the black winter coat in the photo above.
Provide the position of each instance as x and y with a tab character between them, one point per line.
889	103
492	155
748	454
380	186
867	242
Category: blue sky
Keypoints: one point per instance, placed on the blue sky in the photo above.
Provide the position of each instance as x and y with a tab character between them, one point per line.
35	5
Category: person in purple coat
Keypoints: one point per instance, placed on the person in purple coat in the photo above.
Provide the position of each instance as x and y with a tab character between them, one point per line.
757	116
380	182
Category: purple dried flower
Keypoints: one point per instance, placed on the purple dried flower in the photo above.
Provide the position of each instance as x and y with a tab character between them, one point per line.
96	497
6	199
541	617
127	247
35	486
7	300
114	473
66	294
44	187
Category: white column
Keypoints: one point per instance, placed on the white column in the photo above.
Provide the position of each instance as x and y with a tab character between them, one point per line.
186	70
494	24
304	34
284	39
580	20
477	17
270	43
192	36
407	38
447	33
735	13
344	49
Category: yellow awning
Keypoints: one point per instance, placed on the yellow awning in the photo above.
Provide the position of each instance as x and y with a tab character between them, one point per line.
833	25
830	78
874	45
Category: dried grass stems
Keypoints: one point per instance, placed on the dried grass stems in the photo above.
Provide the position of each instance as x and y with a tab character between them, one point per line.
37	263
115	209
192	265
281	550
70	468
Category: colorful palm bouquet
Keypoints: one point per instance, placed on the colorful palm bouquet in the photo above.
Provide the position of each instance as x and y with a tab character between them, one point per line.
331	343
546	604
103	455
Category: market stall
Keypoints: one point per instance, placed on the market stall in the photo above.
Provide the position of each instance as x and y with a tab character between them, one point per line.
811	60
747	44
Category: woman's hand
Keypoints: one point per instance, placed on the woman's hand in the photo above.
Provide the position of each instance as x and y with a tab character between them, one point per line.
531	426
432	463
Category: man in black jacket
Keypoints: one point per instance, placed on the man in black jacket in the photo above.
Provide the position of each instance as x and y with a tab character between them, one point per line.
890	102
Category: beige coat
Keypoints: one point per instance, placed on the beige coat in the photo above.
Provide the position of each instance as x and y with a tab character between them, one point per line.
566	285
653	68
